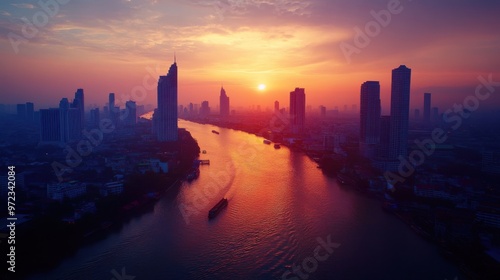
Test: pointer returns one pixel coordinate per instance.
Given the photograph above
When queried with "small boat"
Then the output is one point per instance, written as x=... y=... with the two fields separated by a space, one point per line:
x=277 y=146
x=204 y=151
x=214 y=131
x=267 y=142
x=346 y=179
x=217 y=208
x=195 y=173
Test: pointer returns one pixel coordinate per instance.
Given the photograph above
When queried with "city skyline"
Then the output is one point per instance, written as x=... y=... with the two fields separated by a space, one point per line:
x=175 y=139
x=306 y=30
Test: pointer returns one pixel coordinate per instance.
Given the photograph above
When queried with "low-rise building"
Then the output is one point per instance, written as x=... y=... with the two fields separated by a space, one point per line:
x=67 y=190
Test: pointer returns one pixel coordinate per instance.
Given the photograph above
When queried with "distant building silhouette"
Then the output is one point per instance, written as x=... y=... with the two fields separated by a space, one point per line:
x=385 y=138
x=369 y=118
x=21 y=111
x=204 y=109
x=297 y=110
x=276 y=106
x=25 y=111
x=95 y=117
x=70 y=122
x=79 y=103
x=191 y=109
x=224 y=103
x=322 y=111
x=416 y=114
x=50 y=124
x=131 y=113
x=30 y=111
x=112 y=110
x=167 y=106
x=400 y=107
x=435 y=114
x=427 y=108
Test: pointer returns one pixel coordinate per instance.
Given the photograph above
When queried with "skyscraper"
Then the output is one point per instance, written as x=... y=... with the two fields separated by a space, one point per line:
x=131 y=115
x=30 y=111
x=369 y=118
x=167 y=106
x=204 y=109
x=435 y=114
x=427 y=108
x=385 y=137
x=276 y=106
x=63 y=120
x=297 y=110
x=79 y=103
x=224 y=103
x=400 y=109
x=322 y=111
x=111 y=107
x=21 y=111
x=94 y=117
x=70 y=121
x=50 y=124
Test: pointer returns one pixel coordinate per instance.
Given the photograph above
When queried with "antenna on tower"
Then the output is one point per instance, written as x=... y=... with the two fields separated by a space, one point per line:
x=175 y=58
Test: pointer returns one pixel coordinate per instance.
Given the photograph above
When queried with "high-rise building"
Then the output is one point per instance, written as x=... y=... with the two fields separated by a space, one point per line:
x=131 y=113
x=111 y=107
x=224 y=103
x=276 y=106
x=21 y=111
x=50 y=124
x=191 y=109
x=400 y=109
x=385 y=137
x=427 y=108
x=63 y=120
x=95 y=117
x=79 y=103
x=70 y=121
x=30 y=111
x=435 y=114
x=322 y=111
x=167 y=106
x=369 y=118
x=297 y=110
x=204 y=109
x=416 y=114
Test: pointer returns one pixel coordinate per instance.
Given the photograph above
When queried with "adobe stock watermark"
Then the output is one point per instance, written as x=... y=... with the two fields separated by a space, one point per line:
x=91 y=139
x=222 y=179
x=363 y=37
x=31 y=28
x=122 y=276
x=454 y=117
x=310 y=264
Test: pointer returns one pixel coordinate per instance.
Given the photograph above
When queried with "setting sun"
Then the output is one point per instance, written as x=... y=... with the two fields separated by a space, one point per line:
x=261 y=87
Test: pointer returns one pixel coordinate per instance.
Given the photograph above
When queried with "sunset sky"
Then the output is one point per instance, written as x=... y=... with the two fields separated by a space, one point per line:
x=107 y=46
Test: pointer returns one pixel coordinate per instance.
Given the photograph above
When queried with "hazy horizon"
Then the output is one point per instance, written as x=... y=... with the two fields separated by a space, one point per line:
x=113 y=46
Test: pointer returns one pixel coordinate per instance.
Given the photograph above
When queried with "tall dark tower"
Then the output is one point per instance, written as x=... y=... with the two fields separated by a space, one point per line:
x=167 y=106
x=111 y=109
x=79 y=103
x=297 y=110
x=400 y=110
x=369 y=135
x=427 y=108
x=224 y=103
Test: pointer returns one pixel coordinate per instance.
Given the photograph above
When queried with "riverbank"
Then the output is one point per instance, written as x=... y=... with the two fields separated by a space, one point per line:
x=471 y=264
x=49 y=238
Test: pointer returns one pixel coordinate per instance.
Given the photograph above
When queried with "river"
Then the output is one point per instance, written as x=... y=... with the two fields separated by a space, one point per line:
x=283 y=215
